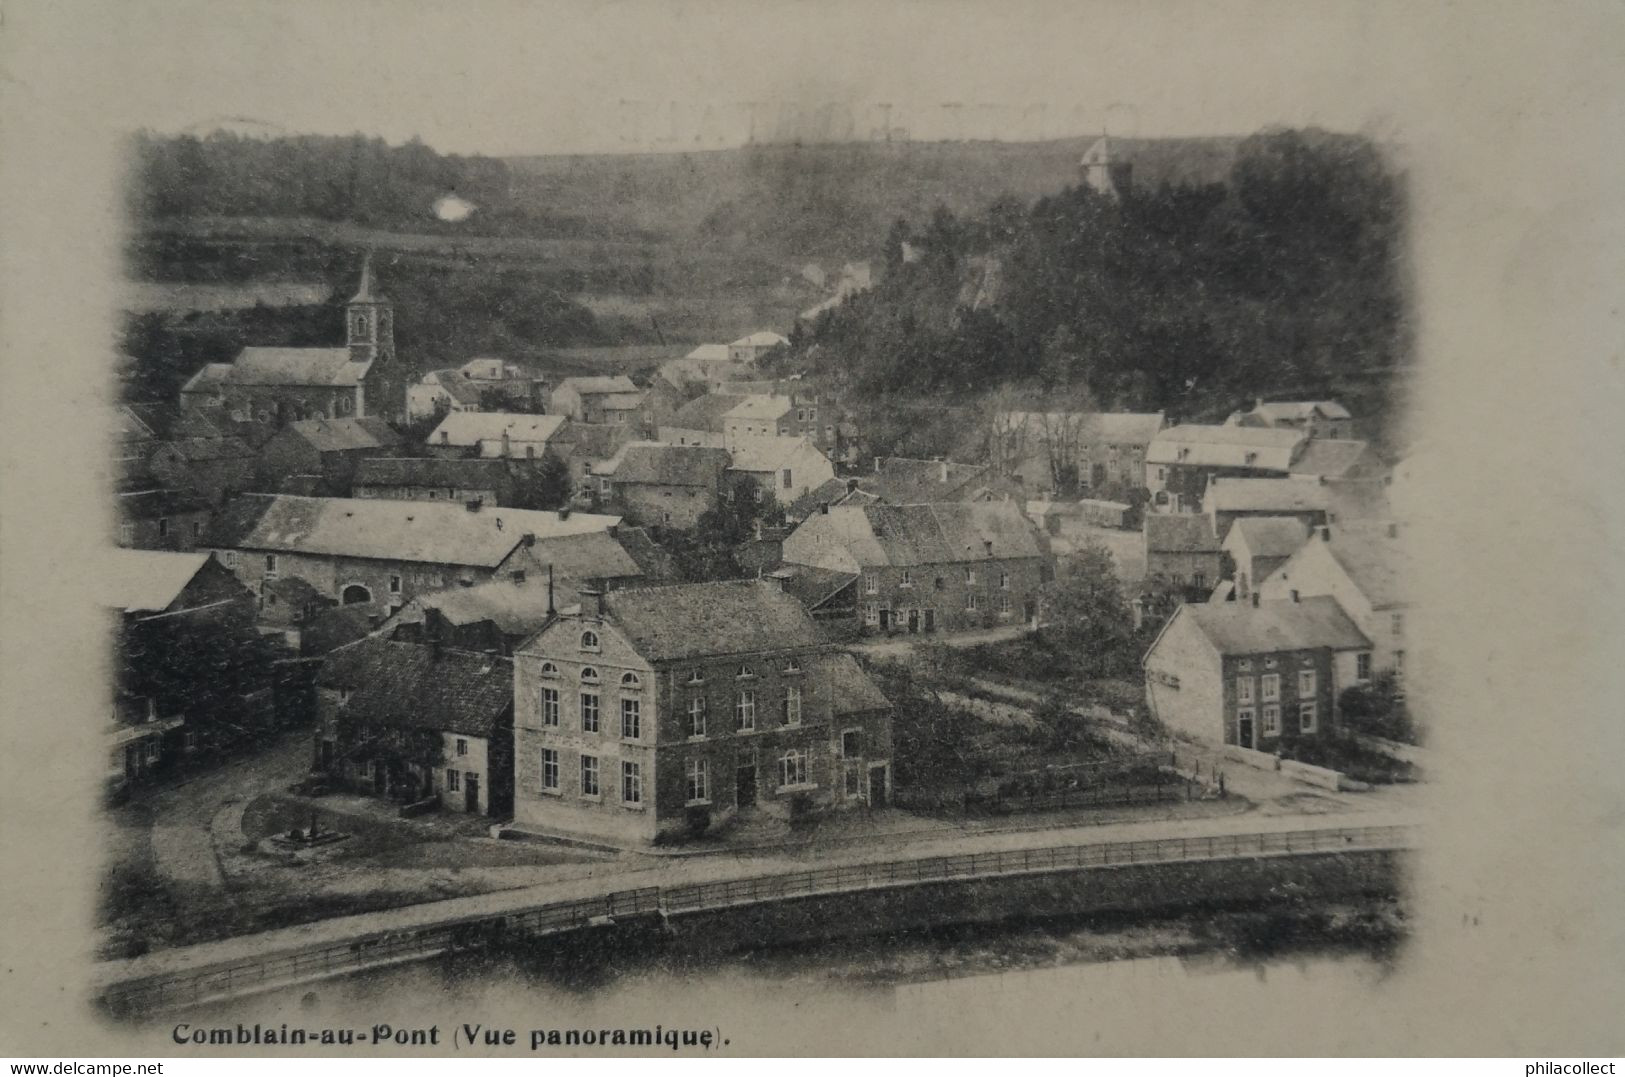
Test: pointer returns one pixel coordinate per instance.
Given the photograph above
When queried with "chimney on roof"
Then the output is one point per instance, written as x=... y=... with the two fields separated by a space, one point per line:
x=1255 y=600
x=1325 y=533
x=507 y=446
x=592 y=600
x=943 y=474
x=551 y=612
x=851 y=486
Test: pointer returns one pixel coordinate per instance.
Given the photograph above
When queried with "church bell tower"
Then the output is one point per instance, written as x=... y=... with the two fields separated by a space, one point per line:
x=370 y=322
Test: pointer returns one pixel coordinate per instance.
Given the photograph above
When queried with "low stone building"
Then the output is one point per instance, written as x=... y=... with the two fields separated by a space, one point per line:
x=420 y=478
x=1258 y=546
x=496 y=435
x=1181 y=460
x=654 y=484
x=331 y=448
x=653 y=712
x=784 y=469
x=1182 y=549
x=1366 y=567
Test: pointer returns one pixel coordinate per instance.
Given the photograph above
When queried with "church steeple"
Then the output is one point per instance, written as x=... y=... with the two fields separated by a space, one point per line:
x=370 y=321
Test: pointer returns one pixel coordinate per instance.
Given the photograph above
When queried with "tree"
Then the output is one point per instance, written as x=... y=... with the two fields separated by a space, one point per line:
x=1377 y=708
x=552 y=487
x=1086 y=616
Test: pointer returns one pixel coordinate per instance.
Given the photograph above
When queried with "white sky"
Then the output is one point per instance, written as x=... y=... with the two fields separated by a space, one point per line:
x=504 y=77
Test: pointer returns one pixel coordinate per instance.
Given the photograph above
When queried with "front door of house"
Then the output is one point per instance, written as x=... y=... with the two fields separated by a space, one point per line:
x=1097 y=475
x=930 y=620
x=1244 y=732
x=913 y=620
x=877 y=786
x=471 y=792
x=745 y=785
x=885 y=619
x=380 y=777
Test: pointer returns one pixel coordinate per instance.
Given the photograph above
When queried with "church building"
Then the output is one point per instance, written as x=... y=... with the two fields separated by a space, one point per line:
x=286 y=385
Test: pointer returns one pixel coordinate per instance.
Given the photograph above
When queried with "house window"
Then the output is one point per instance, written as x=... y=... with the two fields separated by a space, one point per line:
x=550 y=706
x=970 y=601
x=1004 y=604
x=1396 y=621
x=462 y=746
x=454 y=781
x=1245 y=664
x=126 y=533
x=1399 y=665
x=589 y=775
x=745 y=711
x=793 y=768
x=631 y=783
x=1004 y=581
x=871 y=614
x=1362 y=666
x=231 y=559
x=550 y=768
x=792 y=666
x=746 y=672
x=696 y=677
x=871 y=584
x=394 y=585
x=270 y=566
x=1306 y=717
x=787 y=482
x=344 y=698
x=792 y=705
x=1306 y=683
x=908 y=579
x=696 y=716
x=549 y=669
x=851 y=743
x=630 y=682
x=589 y=675
x=1244 y=689
x=699 y=781
x=589 y=712
x=854 y=780
x=631 y=719
x=1271 y=688
x=1272 y=720
x=163 y=527
x=970 y=575
x=1198 y=579
x=197 y=530
x=589 y=641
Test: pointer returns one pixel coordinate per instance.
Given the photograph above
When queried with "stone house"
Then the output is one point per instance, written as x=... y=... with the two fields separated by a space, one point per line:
x=1230 y=499
x=377 y=552
x=749 y=349
x=149 y=515
x=1366 y=567
x=420 y=478
x=759 y=416
x=1181 y=460
x=1182 y=549
x=414 y=720
x=589 y=447
x=1315 y=418
x=441 y=391
x=331 y=448
x=1257 y=675
x=1259 y=545
x=783 y=468
x=500 y=383
x=701 y=421
x=215 y=468
x=930 y=568
x=652 y=712
x=1100 y=448
x=604 y=399
x=498 y=435
x=653 y=484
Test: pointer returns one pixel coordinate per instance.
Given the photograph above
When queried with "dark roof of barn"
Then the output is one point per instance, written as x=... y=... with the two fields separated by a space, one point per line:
x=341 y=435
x=1180 y=532
x=430 y=471
x=813 y=587
x=414 y=686
x=1281 y=625
x=705 y=412
x=656 y=464
x=694 y=620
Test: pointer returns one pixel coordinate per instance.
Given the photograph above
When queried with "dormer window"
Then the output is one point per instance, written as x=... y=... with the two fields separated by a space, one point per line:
x=589 y=641
x=746 y=672
x=589 y=675
x=549 y=669
x=695 y=677
x=630 y=681
x=792 y=666
x=344 y=696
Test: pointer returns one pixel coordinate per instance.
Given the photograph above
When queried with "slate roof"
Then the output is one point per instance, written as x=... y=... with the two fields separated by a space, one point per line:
x=851 y=690
x=652 y=560
x=1270 y=536
x=762 y=406
x=829 y=492
x=1225 y=446
x=1267 y=495
x=709 y=353
x=411 y=686
x=762 y=339
x=768 y=453
x=293 y=590
x=209 y=377
x=905 y=535
x=345 y=435
x=1299 y=410
x=1334 y=458
x=147 y=581
x=1283 y=625
x=657 y=464
x=600 y=384
x=430 y=532
x=1180 y=532
x=622 y=401
x=472 y=427
x=457 y=385
x=477 y=474
x=598 y=441
x=813 y=587
x=327 y=629
x=695 y=620
x=146 y=500
x=164 y=421
x=1377 y=561
x=594 y=555
x=328 y=367
x=705 y=412
x=902 y=481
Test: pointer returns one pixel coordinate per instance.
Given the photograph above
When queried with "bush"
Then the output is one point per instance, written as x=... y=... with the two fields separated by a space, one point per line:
x=696 y=821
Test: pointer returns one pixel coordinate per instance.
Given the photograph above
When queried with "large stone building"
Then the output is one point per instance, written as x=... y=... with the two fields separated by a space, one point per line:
x=1366 y=568
x=1181 y=460
x=928 y=568
x=283 y=385
x=377 y=552
x=1088 y=450
x=784 y=469
x=656 y=711
x=666 y=485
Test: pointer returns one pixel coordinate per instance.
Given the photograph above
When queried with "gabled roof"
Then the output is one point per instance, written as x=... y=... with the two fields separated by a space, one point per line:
x=829 y=492
x=759 y=454
x=813 y=587
x=1269 y=536
x=431 y=532
x=595 y=555
x=345 y=435
x=457 y=385
x=1299 y=410
x=147 y=581
x=762 y=339
x=1265 y=495
x=705 y=412
x=414 y=686
x=709 y=353
x=622 y=401
x=208 y=378
x=906 y=535
x=1335 y=458
x=599 y=384
x=165 y=421
x=697 y=620
x=658 y=464
x=472 y=473
x=652 y=560
x=1180 y=532
x=598 y=441
x=1236 y=628
x=1376 y=559
x=851 y=690
x=1225 y=446
x=762 y=406
x=902 y=481
x=467 y=428
x=325 y=367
